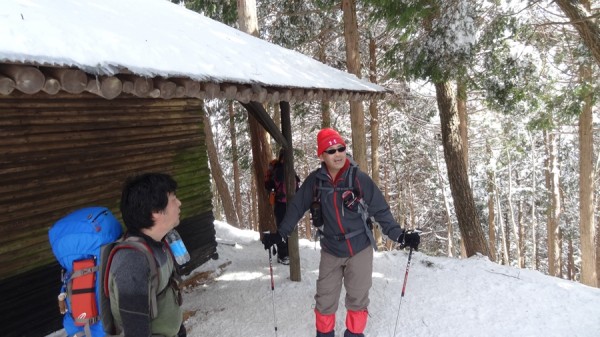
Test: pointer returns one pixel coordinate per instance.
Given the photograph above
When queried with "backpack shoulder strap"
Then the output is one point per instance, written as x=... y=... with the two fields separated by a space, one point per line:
x=350 y=177
x=137 y=243
x=317 y=187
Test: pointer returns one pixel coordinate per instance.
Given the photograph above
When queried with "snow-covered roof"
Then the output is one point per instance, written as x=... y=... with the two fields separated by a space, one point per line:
x=156 y=38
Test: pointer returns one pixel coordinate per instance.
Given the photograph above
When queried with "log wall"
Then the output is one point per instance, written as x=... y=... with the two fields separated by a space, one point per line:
x=61 y=152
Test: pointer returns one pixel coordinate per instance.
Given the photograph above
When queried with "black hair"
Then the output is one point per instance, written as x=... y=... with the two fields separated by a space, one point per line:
x=143 y=195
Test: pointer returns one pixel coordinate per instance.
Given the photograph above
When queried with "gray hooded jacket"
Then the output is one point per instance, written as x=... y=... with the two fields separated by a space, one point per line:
x=339 y=220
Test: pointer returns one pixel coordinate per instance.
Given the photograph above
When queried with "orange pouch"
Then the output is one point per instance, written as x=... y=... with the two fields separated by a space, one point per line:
x=272 y=198
x=83 y=293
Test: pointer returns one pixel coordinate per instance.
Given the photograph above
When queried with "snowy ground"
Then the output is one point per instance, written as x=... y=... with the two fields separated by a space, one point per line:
x=444 y=297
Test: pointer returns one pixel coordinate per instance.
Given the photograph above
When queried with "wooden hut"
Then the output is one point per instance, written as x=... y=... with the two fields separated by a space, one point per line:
x=92 y=92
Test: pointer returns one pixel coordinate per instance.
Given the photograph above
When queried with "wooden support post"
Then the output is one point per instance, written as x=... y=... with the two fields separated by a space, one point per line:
x=290 y=184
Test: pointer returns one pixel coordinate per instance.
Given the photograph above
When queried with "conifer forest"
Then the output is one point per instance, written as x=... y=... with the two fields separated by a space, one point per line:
x=488 y=140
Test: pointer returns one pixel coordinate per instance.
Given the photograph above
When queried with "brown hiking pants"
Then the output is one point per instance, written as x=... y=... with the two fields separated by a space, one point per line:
x=356 y=274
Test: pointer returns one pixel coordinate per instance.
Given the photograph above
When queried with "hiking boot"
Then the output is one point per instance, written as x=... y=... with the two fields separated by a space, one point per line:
x=283 y=260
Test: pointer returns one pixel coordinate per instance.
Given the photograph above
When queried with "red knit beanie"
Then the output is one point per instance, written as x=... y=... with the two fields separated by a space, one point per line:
x=328 y=137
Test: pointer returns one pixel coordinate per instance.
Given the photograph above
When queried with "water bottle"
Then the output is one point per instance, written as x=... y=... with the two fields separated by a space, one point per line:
x=177 y=247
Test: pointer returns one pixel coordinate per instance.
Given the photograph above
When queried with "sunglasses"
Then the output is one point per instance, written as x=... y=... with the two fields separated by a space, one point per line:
x=333 y=151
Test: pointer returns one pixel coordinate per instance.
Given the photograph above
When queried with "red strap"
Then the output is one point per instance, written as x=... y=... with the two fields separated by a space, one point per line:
x=124 y=245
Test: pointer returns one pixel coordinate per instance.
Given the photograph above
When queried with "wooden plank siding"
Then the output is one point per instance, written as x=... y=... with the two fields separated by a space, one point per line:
x=62 y=152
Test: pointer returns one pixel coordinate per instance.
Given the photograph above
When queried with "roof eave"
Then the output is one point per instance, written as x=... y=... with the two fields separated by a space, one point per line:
x=30 y=79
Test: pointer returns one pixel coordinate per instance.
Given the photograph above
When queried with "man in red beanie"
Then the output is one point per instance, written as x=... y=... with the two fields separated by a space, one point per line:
x=341 y=198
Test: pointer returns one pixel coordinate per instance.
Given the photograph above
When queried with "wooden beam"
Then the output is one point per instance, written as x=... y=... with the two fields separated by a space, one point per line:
x=191 y=87
x=166 y=88
x=245 y=95
x=7 y=85
x=108 y=87
x=127 y=87
x=136 y=85
x=51 y=86
x=260 y=93
x=257 y=110
x=212 y=90
x=73 y=81
x=28 y=80
x=230 y=91
x=179 y=91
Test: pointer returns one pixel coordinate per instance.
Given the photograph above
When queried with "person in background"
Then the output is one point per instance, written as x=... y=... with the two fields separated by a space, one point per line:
x=275 y=185
x=150 y=209
x=346 y=239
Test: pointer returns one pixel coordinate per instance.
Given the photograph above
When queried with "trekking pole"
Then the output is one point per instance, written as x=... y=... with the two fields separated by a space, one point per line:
x=403 y=288
x=272 y=289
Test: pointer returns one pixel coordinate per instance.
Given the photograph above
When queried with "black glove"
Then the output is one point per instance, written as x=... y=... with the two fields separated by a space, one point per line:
x=270 y=239
x=410 y=239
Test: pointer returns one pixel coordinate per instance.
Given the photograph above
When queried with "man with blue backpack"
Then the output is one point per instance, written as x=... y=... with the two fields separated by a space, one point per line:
x=150 y=210
x=341 y=198
x=126 y=286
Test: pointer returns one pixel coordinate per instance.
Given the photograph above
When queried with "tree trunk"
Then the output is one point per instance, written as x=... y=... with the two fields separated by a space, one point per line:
x=504 y=239
x=217 y=209
x=534 y=239
x=581 y=18
x=373 y=110
x=261 y=151
x=247 y=20
x=491 y=188
x=277 y=121
x=325 y=105
x=554 y=267
x=461 y=105
x=511 y=210
x=235 y=162
x=598 y=239
x=571 y=261
x=521 y=229
x=464 y=205
x=217 y=174
x=357 y=114
x=252 y=201
x=450 y=228
x=586 y=187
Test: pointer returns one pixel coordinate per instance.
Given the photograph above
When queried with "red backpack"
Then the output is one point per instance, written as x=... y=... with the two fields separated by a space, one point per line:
x=270 y=184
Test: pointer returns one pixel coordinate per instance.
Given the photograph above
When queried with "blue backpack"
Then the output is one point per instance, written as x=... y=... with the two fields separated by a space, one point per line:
x=83 y=243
